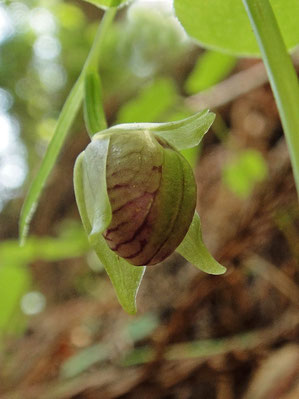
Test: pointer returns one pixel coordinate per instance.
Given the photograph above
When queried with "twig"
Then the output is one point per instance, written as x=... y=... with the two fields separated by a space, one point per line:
x=107 y=380
x=231 y=88
x=274 y=276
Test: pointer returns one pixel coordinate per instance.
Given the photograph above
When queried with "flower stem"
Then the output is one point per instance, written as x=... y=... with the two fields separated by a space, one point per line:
x=282 y=74
x=93 y=56
x=65 y=120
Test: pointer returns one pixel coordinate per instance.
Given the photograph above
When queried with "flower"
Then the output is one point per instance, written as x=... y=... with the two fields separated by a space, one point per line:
x=152 y=193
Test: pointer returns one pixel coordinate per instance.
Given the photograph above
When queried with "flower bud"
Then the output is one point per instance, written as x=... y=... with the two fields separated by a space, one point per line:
x=152 y=193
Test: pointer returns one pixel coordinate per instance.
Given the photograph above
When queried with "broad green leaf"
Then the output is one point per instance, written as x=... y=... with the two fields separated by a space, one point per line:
x=108 y=3
x=182 y=134
x=124 y=277
x=151 y=102
x=244 y=172
x=224 y=25
x=211 y=68
x=94 y=115
x=194 y=250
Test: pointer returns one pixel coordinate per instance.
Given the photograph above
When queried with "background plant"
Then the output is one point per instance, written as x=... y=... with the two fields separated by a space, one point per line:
x=253 y=231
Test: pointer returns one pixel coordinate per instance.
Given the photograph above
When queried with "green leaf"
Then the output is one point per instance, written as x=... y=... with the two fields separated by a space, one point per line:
x=244 y=172
x=14 y=282
x=224 y=25
x=64 y=122
x=108 y=3
x=84 y=359
x=191 y=155
x=94 y=115
x=182 y=134
x=211 y=68
x=281 y=72
x=194 y=250
x=124 y=277
x=46 y=248
x=142 y=326
x=151 y=102
x=95 y=188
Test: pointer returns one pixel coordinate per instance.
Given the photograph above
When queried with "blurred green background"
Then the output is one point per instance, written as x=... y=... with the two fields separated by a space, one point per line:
x=55 y=285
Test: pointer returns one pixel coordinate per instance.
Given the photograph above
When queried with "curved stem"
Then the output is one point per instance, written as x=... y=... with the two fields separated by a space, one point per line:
x=65 y=120
x=282 y=75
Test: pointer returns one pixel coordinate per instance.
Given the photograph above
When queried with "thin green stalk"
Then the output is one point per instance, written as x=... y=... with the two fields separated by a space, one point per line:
x=93 y=56
x=282 y=75
x=65 y=120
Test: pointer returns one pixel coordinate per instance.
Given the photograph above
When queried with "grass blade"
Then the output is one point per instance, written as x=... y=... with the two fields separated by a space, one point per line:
x=65 y=120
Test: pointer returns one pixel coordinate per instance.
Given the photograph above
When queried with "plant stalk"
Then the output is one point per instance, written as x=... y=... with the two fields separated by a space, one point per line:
x=281 y=72
x=65 y=120
x=94 y=54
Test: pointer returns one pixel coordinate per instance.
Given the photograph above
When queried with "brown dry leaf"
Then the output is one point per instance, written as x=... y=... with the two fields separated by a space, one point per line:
x=278 y=376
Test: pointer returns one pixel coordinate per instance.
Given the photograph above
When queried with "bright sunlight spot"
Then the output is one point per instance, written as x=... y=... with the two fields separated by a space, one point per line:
x=13 y=167
x=33 y=302
x=6 y=26
x=52 y=76
x=42 y=21
x=7 y=132
x=164 y=4
x=13 y=172
x=6 y=100
x=19 y=14
x=47 y=47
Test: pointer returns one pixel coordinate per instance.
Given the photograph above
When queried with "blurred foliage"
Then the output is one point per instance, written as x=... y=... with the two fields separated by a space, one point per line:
x=14 y=282
x=150 y=104
x=242 y=173
x=211 y=68
x=83 y=360
x=15 y=276
x=42 y=48
x=60 y=323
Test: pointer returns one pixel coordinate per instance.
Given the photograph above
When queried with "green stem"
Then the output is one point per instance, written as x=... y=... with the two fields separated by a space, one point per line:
x=93 y=56
x=282 y=75
x=65 y=120
x=94 y=115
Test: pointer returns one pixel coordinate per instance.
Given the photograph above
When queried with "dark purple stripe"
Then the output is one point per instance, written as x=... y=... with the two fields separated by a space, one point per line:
x=138 y=231
x=142 y=245
x=116 y=186
x=131 y=202
x=108 y=231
